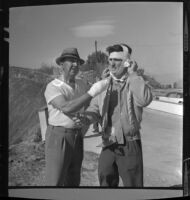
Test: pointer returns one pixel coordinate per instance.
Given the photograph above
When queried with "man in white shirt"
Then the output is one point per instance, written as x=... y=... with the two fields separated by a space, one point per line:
x=65 y=96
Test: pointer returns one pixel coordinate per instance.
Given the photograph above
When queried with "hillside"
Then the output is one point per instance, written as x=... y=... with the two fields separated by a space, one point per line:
x=26 y=89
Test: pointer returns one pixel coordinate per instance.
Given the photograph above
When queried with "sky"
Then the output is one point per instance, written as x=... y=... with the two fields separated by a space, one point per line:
x=154 y=30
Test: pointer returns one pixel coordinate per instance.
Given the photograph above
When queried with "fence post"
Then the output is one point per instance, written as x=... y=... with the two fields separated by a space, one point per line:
x=186 y=178
x=43 y=117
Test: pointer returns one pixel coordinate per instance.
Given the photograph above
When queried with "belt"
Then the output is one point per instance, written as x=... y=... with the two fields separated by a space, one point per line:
x=127 y=137
x=67 y=130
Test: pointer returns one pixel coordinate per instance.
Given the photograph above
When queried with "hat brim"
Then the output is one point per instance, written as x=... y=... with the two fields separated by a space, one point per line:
x=61 y=58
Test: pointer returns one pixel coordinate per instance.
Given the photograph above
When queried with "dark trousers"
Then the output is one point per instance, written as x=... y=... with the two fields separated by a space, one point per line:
x=121 y=160
x=63 y=155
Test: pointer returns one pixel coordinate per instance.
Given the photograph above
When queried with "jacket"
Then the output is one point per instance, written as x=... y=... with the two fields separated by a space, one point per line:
x=137 y=94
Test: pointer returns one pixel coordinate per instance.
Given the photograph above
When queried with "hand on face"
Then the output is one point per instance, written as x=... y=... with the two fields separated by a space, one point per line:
x=132 y=67
x=105 y=73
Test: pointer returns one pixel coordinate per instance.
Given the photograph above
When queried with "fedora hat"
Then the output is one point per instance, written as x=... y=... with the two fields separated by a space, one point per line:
x=69 y=53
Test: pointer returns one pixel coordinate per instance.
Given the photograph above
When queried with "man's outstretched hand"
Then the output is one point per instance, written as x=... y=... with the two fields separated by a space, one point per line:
x=132 y=67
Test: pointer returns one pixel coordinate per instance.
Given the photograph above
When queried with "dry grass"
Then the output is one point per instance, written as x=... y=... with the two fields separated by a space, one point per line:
x=27 y=165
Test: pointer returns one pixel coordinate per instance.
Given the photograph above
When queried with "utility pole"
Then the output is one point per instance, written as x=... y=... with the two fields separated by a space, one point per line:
x=96 y=57
x=96 y=51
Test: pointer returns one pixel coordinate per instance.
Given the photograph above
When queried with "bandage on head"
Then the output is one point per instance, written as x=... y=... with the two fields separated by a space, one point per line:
x=126 y=51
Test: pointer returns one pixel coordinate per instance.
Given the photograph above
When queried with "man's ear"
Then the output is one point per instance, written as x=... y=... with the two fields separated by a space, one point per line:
x=61 y=68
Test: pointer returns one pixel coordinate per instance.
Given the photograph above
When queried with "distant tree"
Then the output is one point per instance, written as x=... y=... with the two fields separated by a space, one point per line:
x=166 y=86
x=96 y=62
x=89 y=76
x=162 y=86
x=175 y=85
x=155 y=84
x=178 y=84
x=169 y=86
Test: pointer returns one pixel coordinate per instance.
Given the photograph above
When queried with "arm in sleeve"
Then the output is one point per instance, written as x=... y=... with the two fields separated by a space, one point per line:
x=59 y=100
x=92 y=112
x=51 y=92
x=141 y=91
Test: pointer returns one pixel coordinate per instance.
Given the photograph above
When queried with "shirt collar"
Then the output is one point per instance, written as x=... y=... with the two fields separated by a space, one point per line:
x=58 y=82
x=121 y=80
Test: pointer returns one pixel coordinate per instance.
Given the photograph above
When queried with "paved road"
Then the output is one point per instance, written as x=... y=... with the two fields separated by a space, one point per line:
x=162 y=148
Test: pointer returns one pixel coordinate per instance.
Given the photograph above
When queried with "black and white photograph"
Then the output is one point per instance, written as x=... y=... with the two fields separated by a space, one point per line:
x=96 y=96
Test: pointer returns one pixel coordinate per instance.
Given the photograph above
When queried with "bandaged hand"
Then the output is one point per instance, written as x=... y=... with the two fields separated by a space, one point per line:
x=98 y=87
x=133 y=67
x=127 y=63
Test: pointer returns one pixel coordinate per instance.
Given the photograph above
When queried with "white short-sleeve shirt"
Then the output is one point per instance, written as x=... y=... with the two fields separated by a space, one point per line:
x=56 y=88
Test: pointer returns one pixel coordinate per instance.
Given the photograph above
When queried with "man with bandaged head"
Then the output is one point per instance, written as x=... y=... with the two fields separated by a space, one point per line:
x=119 y=110
x=65 y=96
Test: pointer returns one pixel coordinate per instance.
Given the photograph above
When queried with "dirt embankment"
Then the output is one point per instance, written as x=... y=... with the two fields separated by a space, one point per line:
x=27 y=165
